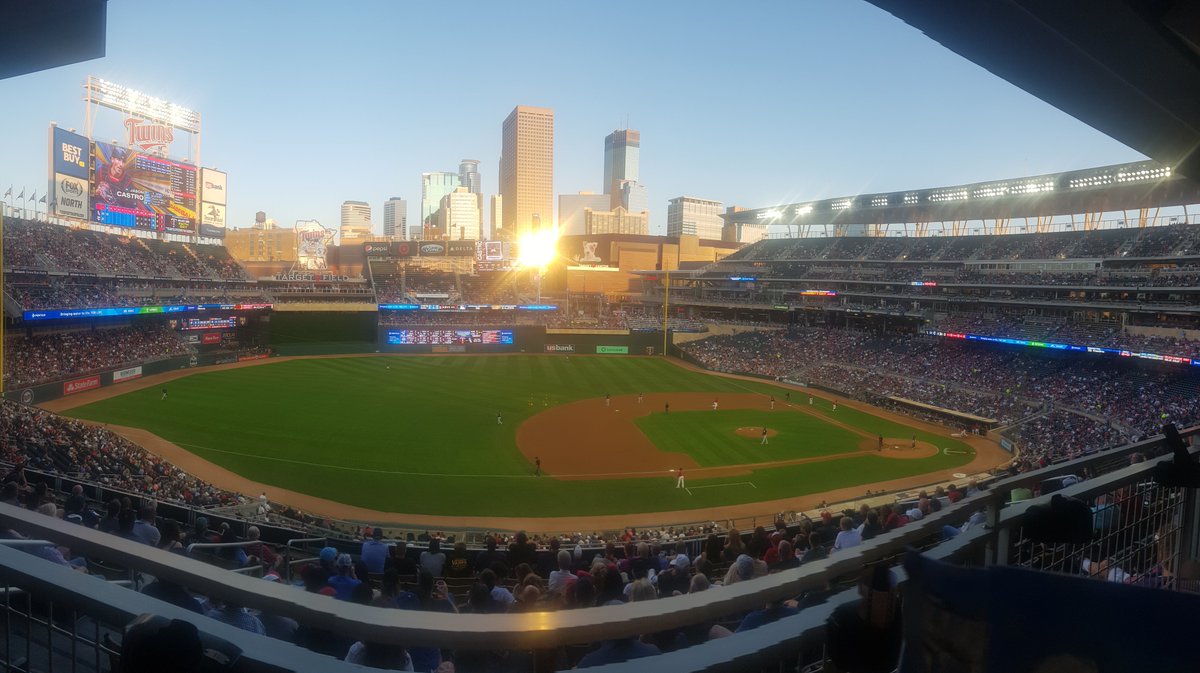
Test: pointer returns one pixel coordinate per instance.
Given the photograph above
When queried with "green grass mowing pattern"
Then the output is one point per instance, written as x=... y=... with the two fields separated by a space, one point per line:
x=711 y=439
x=419 y=434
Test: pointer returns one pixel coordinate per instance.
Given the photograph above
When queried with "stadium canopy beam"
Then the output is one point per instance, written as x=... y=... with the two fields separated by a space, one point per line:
x=1129 y=69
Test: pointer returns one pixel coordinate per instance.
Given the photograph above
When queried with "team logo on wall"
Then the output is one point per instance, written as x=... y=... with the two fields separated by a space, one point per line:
x=151 y=137
x=589 y=252
x=27 y=396
x=312 y=243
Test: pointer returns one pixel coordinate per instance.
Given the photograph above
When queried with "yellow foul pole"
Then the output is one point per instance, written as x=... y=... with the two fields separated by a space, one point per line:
x=666 y=297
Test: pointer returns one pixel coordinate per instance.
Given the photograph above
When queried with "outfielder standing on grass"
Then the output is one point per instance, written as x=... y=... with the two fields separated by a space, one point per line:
x=164 y=392
x=499 y=418
x=679 y=479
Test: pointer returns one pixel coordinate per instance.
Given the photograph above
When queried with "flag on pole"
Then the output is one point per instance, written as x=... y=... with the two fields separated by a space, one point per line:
x=22 y=196
x=44 y=197
x=33 y=197
x=9 y=192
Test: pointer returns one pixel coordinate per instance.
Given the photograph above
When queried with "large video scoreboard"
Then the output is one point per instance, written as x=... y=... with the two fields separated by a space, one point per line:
x=446 y=337
x=138 y=191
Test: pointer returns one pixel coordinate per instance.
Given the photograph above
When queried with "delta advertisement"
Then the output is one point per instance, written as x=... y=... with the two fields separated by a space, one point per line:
x=69 y=167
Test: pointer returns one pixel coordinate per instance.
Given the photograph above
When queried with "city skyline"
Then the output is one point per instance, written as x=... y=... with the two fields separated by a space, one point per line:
x=289 y=152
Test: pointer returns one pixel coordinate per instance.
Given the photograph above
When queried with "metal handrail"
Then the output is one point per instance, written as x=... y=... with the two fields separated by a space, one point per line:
x=539 y=630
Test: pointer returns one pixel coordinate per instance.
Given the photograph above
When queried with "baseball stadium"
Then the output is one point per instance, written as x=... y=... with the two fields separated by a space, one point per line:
x=271 y=448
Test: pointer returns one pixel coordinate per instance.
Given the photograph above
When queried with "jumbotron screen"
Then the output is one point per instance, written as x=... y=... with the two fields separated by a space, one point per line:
x=439 y=337
x=139 y=191
x=210 y=323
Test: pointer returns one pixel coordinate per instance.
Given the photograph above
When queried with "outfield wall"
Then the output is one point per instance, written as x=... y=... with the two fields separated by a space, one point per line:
x=320 y=332
x=102 y=379
x=527 y=339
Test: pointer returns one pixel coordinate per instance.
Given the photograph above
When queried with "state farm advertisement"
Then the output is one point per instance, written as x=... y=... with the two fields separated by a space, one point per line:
x=80 y=385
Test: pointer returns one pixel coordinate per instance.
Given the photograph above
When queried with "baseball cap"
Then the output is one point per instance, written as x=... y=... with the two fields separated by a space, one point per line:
x=377 y=533
x=271 y=577
x=343 y=561
x=914 y=514
x=680 y=561
x=328 y=554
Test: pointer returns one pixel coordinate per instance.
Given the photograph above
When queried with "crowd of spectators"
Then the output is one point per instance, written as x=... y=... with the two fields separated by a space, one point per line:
x=42 y=358
x=41 y=292
x=49 y=247
x=50 y=443
x=1004 y=383
x=1173 y=239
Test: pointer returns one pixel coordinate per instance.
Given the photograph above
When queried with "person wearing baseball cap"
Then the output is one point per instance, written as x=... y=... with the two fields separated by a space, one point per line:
x=343 y=580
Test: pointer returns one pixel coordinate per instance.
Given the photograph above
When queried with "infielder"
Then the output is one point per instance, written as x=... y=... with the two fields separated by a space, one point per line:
x=764 y=436
x=679 y=479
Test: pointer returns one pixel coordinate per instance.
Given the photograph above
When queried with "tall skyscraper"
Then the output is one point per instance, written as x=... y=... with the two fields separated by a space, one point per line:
x=356 y=220
x=497 y=216
x=622 y=171
x=395 y=218
x=697 y=217
x=433 y=187
x=468 y=175
x=622 y=153
x=527 y=170
x=630 y=195
x=571 y=207
x=457 y=218
x=615 y=221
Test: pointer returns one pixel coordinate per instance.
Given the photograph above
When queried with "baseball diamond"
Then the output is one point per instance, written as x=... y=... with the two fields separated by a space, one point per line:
x=417 y=436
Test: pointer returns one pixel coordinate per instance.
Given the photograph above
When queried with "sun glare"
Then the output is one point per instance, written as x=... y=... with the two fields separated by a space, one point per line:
x=537 y=249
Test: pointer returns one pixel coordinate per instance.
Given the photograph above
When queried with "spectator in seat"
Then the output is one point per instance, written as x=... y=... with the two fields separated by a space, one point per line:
x=489 y=556
x=522 y=551
x=675 y=579
x=433 y=559
x=263 y=552
x=170 y=537
x=772 y=613
x=953 y=494
x=111 y=521
x=374 y=552
x=499 y=594
x=848 y=536
x=344 y=581
x=144 y=528
x=787 y=559
x=562 y=578
x=235 y=615
x=733 y=546
x=623 y=649
x=458 y=563
x=871 y=527
x=398 y=559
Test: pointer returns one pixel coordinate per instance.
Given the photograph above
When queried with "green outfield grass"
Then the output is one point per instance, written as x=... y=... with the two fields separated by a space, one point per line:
x=419 y=434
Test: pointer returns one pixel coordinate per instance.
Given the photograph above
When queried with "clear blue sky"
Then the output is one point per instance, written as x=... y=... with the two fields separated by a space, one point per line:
x=307 y=104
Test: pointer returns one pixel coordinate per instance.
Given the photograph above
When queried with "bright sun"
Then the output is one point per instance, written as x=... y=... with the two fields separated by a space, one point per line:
x=537 y=249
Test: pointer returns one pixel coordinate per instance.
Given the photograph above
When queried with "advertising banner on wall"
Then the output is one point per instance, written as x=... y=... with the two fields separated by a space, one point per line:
x=80 y=385
x=69 y=171
x=212 y=186
x=377 y=249
x=612 y=350
x=127 y=374
x=70 y=196
x=212 y=220
x=460 y=248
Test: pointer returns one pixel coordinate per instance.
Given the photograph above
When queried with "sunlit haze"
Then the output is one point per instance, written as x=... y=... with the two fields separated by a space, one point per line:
x=307 y=105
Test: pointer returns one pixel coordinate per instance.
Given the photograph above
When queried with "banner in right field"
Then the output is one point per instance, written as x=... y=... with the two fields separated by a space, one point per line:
x=612 y=350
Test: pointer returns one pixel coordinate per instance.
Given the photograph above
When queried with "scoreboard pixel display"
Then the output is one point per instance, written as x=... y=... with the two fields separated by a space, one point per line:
x=138 y=191
x=440 y=337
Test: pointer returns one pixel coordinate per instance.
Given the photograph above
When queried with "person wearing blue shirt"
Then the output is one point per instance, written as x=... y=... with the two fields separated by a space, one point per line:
x=374 y=552
x=343 y=582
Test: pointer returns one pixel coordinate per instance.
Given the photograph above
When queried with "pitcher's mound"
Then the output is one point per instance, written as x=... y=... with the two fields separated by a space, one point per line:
x=899 y=448
x=754 y=432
